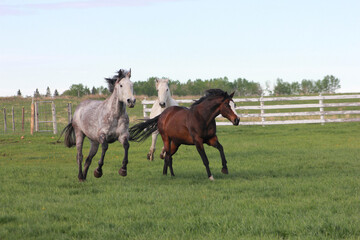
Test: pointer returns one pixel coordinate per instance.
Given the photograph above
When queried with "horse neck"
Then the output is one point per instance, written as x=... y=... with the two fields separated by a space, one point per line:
x=169 y=100
x=208 y=109
x=114 y=106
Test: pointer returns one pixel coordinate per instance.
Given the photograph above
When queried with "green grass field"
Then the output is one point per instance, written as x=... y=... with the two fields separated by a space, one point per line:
x=284 y=182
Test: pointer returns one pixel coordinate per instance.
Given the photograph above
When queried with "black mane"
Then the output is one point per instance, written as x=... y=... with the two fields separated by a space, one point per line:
x=111 y=81
x=210 y=94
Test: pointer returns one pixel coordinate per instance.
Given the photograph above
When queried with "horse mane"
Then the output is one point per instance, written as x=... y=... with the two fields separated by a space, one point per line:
x=211 y=93
x=111 y=81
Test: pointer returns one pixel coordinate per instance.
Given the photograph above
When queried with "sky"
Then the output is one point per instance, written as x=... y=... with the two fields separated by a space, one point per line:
x=57 y=43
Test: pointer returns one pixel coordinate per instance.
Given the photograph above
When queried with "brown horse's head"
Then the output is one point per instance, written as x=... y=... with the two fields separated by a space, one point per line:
x=227 y=109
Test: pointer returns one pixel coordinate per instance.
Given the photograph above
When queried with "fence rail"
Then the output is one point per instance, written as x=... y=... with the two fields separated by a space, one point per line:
x=267 y=104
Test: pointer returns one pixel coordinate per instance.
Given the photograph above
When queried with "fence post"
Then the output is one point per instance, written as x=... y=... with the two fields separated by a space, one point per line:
x=5 y=123
x=32 y=117
x=321 y=103
x=54 y=117
x=36 y=116
x=13 y=119
x=262 y=111
x=69 y=112
x=23 y=119
x=144 y=107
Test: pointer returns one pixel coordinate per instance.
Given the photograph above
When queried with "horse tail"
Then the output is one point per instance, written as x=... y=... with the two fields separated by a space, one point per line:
x=70 y=139
x=143 y=130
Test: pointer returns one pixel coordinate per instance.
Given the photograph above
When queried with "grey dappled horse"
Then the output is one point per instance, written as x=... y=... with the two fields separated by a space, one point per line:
x=103 y=122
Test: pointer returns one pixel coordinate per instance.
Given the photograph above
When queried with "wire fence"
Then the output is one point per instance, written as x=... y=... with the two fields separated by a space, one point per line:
x=16 y=115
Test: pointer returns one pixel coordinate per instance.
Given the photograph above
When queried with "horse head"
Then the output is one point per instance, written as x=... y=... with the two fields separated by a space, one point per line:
x=123 y=88
x=162 y=87
x=227 y=109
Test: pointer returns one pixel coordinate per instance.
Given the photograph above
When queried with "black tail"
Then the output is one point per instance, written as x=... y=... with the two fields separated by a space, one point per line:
x=70 y=139
x=143 y=130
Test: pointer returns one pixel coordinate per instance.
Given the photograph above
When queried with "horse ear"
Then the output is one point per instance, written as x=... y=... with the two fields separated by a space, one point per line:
x=129 y=73
x=231 y=95
x=167 y=80
x=156 y=83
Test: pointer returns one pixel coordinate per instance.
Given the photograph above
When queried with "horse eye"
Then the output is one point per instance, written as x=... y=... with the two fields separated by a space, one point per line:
x=120 y=85
x=167 y=89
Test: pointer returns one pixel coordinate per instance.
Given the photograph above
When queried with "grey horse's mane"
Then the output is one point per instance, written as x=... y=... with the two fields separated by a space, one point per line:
x=111 y=81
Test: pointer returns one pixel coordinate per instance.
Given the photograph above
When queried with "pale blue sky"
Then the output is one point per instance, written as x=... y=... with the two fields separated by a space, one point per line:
x=57 y=43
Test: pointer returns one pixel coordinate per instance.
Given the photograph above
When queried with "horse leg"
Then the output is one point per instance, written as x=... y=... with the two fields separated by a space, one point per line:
x=79 y=156
x=165 y=167
x=200 y=148
x=163 y=153
x=93 y=150
x=150 y=155
x=123 y=169
x=104 y=147
x=167 y=146
x=215 y=143
x=173 y=150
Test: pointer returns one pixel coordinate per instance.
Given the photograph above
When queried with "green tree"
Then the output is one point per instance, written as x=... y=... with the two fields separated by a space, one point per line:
x=56 y=93
x=318 y=86
x=19 y=93
x=78 y=90
x=282 y=88
x=48 y=93
x=295 y=88
x=94 y=91
x=307 y=86
x=103 y=90
x=244 y=87
x=197 y=87
x=37 y=93
x=330 y=84
x=175 y=87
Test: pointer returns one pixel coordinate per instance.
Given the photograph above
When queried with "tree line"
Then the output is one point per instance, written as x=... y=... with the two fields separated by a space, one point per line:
x=329 y=84
x=241 y=86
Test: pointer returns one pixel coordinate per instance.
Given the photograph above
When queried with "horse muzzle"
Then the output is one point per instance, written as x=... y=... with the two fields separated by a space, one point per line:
x=162 y=104
x=131 y=102
x=236 y=121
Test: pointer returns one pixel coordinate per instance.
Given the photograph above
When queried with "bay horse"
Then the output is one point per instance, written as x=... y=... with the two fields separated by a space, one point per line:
x=102 y=122
x=163 y=101
x=191 y=126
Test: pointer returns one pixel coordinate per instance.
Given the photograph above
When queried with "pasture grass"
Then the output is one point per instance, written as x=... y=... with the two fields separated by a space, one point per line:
x=284 y=182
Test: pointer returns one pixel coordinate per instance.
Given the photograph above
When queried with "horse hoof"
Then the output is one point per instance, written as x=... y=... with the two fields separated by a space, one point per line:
x=82 y=179
x=98 y=173
x=122 y=172
x=162 y=156
x=225 y=171
x=211 y=178
x=150 y=157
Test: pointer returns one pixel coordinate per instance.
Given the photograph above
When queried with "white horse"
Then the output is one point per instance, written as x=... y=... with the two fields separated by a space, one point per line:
x=164 y=101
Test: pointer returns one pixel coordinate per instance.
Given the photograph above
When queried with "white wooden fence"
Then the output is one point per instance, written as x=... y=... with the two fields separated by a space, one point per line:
x=266 y=110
